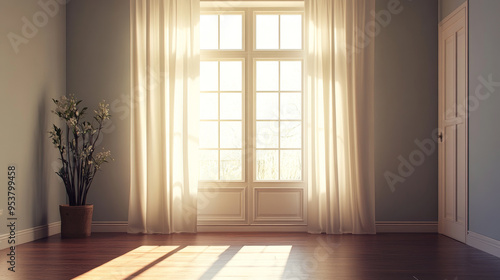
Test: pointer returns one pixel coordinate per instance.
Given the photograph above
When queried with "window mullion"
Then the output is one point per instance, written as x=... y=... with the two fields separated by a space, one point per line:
x=279 y=32
x=249 y=97
x=218 y=32
x=279 y=117
x=218 y=113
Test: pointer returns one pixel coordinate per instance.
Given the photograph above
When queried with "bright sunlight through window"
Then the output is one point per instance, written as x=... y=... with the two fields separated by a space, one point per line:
x=251 y=96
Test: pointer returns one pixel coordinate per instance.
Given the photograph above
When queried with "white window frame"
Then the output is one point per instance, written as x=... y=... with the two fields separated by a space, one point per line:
x=249 y=55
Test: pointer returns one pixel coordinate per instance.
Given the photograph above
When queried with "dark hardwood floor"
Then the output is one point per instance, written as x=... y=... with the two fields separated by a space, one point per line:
x=251 y=256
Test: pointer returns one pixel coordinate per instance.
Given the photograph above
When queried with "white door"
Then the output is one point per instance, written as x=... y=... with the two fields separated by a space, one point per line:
x=453 y=125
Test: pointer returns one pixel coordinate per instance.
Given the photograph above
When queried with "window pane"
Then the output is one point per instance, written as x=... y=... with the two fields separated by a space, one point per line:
x=230 y=165
x=267 y=134
x=208 y=165
x=267 y=105
x=291 y=134
x=291 y=75
x=267 y=75
x=208 y=32
x=209 y=75
x=230 y=106
x=230 y=134
x=209 y=134
x=231 y=32
x=291 y=32
x=230 y=75
x=209 y=107
x=291 y=105
x=267 y=164
x=291 y=165
x=267 y=32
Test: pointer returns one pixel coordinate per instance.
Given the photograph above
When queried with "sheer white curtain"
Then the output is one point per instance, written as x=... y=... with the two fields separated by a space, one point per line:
x=339 y=84
x=164 y=129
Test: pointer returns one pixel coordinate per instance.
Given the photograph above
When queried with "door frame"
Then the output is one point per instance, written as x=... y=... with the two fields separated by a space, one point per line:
x=449 y=20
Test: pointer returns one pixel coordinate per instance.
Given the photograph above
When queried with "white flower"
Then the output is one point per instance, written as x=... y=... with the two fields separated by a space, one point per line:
x=103 y=111
x=72 y=122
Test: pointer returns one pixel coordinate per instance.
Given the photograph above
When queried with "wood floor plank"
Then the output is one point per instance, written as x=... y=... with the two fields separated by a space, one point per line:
x=251 y=256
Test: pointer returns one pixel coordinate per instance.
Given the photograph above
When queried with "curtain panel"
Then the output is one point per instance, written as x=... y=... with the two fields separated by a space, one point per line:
x=339 y=84
x=164 y=113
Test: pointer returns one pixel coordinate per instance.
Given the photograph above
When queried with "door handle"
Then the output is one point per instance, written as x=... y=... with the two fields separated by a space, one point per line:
x=440 y=137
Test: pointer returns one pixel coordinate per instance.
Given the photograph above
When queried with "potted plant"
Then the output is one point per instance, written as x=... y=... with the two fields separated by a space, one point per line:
x=76 y=143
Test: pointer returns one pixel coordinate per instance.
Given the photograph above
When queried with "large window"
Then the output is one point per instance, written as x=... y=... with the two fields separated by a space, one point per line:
x=251 y=96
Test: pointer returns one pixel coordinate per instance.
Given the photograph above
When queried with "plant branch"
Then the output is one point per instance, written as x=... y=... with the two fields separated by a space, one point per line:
x=78 y=163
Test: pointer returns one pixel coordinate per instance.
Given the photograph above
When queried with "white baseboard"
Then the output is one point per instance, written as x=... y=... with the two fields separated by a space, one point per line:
x=401 y=227
x=407 y=227
x=483 y=243
x=253 y=228
x=31 y=234
x=104 y=226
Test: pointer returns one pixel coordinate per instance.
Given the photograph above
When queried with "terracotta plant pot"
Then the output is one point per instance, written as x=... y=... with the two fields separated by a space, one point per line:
x=76 y=221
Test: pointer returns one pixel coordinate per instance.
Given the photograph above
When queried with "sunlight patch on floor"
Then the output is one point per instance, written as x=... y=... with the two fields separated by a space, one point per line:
x=195 y=262
x=257 y=262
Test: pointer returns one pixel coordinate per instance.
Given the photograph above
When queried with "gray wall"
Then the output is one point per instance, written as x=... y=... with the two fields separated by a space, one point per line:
x=484 y=128
x=29 y=79
x=406 y=111
x=448 y=6
x=98 y=67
